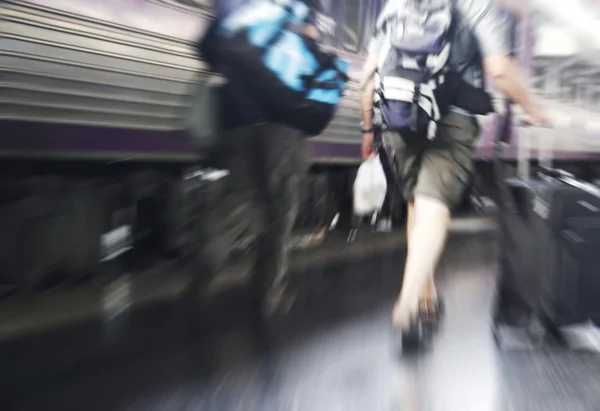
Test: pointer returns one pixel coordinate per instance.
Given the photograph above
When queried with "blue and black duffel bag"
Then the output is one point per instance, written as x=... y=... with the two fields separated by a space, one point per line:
x=290 y=76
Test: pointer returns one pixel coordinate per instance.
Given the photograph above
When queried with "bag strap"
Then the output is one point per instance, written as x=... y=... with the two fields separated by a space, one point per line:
x=310 y=80
x=390 y=175
x=389 y=13
x=287 y=25
x=276 y=37
x=326 y=61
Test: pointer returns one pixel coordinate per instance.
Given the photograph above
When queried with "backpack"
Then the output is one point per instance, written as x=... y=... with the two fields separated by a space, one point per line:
x=289 y=75
x=411 y=91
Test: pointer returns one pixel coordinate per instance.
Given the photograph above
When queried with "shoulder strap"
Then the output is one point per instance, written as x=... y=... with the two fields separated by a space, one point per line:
x=388 y=12
x=455 y=18
x=390 y=175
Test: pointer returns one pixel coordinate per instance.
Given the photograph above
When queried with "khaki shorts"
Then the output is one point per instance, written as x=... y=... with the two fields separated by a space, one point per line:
x=440 y=168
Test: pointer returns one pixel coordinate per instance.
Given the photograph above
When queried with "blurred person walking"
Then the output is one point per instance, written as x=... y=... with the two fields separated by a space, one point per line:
x=268 y=159
x=435 y=163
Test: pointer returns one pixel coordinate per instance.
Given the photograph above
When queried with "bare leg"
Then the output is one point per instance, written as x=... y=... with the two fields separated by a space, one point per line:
x=429 y=293
x=427 y=231
x=441 y=169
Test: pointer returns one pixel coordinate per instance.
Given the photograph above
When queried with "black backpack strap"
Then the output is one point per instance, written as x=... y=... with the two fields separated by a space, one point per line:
x=466 y=96
x=326 y=61
x=391 y=175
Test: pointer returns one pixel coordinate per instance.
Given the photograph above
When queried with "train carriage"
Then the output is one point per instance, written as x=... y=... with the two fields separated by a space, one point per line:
x=95 y=97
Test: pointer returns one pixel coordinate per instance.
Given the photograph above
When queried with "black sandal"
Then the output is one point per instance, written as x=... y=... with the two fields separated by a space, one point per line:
x=431 y=317
x=422 y=326
x=416 y=334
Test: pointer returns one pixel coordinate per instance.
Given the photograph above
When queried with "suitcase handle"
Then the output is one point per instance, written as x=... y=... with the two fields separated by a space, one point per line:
x=545 y=167
x=523 y=123
x=524 y=145
x=555 y=172
x=505 y=198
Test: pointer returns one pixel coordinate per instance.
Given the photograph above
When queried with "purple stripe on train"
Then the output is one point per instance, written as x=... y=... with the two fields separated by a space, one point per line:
x=18 y=135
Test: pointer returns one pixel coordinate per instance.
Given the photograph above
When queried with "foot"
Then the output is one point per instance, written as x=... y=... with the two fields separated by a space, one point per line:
x=512 y=317
x=403 y=313
x=431 y=309
x=510 y=310
x=415 y=332
x=417 y=336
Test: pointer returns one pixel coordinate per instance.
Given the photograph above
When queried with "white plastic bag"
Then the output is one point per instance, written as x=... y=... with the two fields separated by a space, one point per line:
x=370 y=187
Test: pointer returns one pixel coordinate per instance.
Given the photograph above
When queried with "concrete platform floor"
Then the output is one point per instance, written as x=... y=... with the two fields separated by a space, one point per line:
x=334 y=352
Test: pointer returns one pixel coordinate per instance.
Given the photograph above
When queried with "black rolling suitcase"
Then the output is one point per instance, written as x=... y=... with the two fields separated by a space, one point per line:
x=549 y=247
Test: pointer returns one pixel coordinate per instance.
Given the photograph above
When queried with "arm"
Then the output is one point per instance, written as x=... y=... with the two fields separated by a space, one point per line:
x=366 y=104
x=518 y=7
x=367 y=91
x=366 y=97
x=366 y=107
x=507 y=78
x=489 y=23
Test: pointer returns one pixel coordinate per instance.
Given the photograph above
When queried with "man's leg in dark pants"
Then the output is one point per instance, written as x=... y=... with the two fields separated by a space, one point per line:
x=220 y=216
x=234 y=210
x=282 y=160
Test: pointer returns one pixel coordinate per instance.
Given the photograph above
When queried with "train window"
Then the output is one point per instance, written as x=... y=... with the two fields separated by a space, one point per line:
x=352 y=24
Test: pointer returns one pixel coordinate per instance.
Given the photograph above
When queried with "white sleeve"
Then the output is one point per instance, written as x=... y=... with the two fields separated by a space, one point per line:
x=489 y=23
